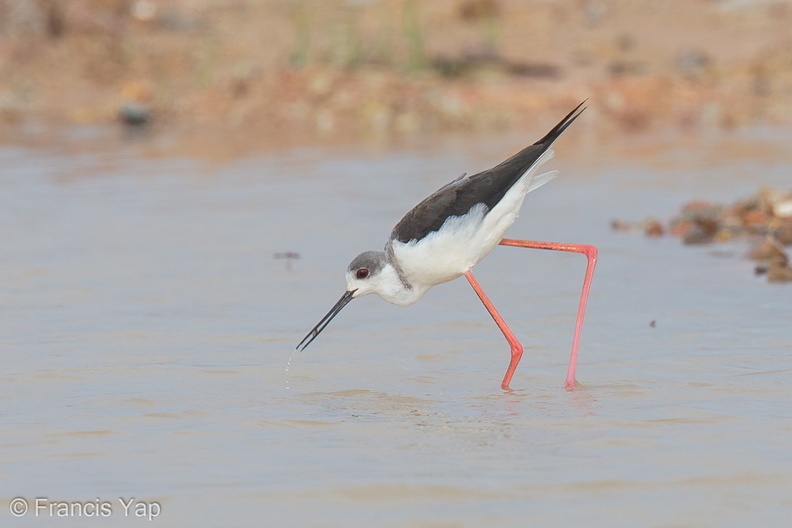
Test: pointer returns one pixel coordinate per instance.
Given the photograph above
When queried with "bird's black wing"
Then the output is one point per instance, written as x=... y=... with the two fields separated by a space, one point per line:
x=487 y=187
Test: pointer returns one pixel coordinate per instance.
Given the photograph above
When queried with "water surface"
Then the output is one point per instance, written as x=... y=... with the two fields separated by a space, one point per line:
x=147 y=341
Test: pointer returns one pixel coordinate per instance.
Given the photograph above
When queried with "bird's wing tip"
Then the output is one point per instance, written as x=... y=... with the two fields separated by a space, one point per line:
x=562 y=125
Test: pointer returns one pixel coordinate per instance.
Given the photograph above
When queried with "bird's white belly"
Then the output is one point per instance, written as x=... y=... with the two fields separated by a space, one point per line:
x=461 y=243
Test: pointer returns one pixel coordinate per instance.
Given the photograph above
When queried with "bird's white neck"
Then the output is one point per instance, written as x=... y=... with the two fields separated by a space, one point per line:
x=392 y=288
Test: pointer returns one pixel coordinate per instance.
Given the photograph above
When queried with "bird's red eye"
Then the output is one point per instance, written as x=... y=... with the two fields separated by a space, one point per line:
x=362 y=273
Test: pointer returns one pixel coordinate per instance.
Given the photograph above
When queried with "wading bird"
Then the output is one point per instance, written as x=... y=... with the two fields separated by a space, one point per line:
x=451 y=231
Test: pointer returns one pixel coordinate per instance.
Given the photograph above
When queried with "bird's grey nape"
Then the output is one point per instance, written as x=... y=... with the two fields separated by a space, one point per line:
x=396 y=265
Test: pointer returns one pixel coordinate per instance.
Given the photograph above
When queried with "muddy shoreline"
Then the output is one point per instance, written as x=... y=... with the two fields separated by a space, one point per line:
x=395 y=66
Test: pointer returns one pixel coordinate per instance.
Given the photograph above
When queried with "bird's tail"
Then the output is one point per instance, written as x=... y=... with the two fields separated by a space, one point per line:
x=537 y=180
x=541 y=179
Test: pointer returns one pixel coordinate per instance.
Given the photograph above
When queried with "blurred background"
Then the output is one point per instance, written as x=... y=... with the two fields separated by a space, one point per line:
x=358 y=66
x=183 y=183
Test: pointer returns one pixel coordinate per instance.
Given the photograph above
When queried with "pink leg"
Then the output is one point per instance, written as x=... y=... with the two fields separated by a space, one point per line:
x=516 y=347
x=591 y=255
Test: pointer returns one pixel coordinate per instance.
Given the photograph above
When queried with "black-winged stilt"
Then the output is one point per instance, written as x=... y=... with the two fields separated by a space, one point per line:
x=451 y=231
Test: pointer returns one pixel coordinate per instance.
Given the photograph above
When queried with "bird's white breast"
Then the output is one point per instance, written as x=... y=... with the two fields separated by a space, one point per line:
x=445 y=254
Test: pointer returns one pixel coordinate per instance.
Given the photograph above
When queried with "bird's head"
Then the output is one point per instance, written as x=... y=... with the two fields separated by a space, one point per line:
x=369 y=272
x=365 y=274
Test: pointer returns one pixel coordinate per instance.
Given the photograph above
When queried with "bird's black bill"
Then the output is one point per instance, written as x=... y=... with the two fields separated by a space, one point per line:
x=343 y=301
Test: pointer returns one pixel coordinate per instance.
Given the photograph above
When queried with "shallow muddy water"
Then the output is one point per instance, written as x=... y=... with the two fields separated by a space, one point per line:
x=147 y=344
